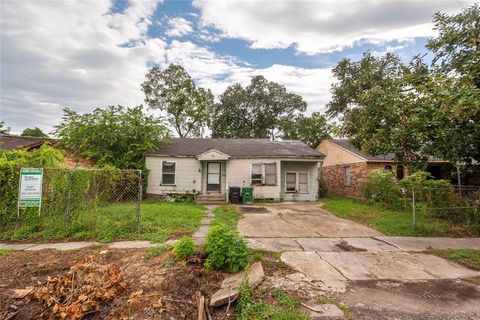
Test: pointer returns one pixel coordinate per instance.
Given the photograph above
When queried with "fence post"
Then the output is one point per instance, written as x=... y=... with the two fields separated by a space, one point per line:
x=413 y=209
x=139 y=198
x=66 y=212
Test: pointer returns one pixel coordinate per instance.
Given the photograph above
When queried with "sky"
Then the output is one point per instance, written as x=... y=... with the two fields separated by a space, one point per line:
x=94 y=53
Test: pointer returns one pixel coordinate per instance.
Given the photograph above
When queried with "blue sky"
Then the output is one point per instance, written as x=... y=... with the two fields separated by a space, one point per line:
x=88 y=54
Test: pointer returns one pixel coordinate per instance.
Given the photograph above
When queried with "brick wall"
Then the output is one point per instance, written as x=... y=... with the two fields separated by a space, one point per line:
x=359 y=172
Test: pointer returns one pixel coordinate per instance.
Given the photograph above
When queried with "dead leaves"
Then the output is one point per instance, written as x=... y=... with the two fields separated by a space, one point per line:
x=84 y=289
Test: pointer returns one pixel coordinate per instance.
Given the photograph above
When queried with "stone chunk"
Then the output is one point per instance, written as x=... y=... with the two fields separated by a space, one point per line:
x=323 y=311
x=229 y=288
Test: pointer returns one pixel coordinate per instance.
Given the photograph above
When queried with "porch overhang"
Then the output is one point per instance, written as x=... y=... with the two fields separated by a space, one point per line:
x=211 y=155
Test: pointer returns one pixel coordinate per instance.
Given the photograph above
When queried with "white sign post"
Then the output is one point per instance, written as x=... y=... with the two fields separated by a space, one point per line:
x=30 y=188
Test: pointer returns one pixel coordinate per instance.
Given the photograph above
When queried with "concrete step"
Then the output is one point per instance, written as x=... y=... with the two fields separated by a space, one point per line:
x=212 y=198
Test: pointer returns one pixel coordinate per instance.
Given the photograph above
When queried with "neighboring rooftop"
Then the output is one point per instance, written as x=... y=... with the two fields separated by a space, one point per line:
x=11 y=142
x=345 y=144
x=239 y=148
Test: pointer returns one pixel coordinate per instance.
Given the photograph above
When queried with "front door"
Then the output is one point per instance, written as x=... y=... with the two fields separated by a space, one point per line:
x=213 y=176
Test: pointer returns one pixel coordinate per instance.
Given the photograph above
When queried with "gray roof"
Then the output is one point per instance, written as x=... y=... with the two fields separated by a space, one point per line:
x=239 y=148
x=11 y=142
x=345 y=143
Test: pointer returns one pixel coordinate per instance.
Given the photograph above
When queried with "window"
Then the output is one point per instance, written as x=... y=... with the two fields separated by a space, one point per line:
x=264 y=174
x=168 y=173
x=296 y=182
x=346 y=176
x=400 y=172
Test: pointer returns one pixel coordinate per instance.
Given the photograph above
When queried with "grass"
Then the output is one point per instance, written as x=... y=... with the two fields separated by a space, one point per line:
x=5 y=253
x=274 y=305
x=392 y=223
x=159 y=220
x=155 y=251
x=467 y=257
x=226 y=214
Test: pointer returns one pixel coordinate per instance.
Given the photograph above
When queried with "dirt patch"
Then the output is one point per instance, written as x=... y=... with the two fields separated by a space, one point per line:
x=345 y=246
x=253 y=210
x=156 y=288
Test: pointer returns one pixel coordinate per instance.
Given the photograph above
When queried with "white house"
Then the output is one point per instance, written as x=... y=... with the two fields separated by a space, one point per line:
x=279 y=170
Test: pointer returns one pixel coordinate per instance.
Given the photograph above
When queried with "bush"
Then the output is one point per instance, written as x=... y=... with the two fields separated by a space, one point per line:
x=381 y=186
x=184 y=248
x=225 y=248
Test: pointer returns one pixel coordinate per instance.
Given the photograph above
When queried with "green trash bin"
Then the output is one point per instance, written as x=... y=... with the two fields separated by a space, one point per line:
x=247 y=195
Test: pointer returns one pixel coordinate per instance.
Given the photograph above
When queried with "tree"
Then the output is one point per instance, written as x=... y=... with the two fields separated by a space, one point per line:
x=115 y=136
x=259 y=110
x=311 y=130
x=188 y=107
x=4 y=130
x=414 y=110
x=35 y=132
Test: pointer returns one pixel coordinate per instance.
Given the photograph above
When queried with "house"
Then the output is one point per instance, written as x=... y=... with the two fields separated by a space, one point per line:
x=12 y=142
x=345 y=168
x=279 y=170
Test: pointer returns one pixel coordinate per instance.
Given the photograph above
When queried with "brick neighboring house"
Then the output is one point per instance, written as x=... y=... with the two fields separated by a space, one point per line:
x=345 y=168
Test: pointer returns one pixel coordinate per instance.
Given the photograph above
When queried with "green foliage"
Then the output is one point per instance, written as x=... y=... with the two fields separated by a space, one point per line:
x=260 y=110
x=35 y=132
x=3 y=129
x=381 y=187
x=115 y=136
x=311 y=130
x=155 y=251
x=172 y=90
x=394 y=223
x=467 y=257
x=5 y=253
x=252 y=307
x=227 y=215
x=226 y=248
x=416 y=110
x=184 y=248
x=422 y=179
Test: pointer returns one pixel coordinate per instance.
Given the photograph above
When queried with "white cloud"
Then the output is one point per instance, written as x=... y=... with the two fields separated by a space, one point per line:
x=179 y=27
x=321 y=26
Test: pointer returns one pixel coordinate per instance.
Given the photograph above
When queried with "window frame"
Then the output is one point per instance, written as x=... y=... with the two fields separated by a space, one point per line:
x=297 y=181
x=347 y=182
x=263 y=179
x=162 y=183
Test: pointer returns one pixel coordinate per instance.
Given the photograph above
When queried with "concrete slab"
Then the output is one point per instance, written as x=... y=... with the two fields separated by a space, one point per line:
x=199 y=241
x=299 y=221
x=421 y=244
x=369 y=244
x=274 y=244
x=320 y=244
x=202 y=231
x=62 y=246
x=206 y=221
x=316 y=269
x=132 y=244
x=15 y=246
x=395 y=266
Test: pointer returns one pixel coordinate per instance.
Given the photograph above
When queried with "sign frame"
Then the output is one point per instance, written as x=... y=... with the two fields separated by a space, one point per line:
x=25 y=200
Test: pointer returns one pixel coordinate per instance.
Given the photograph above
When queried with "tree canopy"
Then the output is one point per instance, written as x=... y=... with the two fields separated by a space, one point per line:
x=309 y=129
x=33 y=132
x=3 y=129
x=188 y=107
x=259 y=110
x=415 y=109
x=115 y=135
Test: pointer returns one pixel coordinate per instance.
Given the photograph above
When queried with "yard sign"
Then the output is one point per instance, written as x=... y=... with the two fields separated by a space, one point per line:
x=30 y=193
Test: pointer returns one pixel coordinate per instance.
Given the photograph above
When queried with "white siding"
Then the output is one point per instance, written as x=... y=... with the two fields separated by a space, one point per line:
x=238 y=175
x=187 y=178
x=298 y=166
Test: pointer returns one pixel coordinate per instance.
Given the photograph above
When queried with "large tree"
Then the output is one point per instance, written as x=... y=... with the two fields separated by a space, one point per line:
x=309 y=129
x=115 y=135
x=258 y=110
x=4 y=130
x=172 y=90
x=33 y=132
x=415 y=110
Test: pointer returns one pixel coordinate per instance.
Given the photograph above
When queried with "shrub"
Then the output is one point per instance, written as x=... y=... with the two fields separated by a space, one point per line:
x=382 y=187
x=225 y=248
x=184 y=248
x=155 y=251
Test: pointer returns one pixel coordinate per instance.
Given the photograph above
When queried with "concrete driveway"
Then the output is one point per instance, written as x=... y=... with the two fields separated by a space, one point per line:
x=376 y=276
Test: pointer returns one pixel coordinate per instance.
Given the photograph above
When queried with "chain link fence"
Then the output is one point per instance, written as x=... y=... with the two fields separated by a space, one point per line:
x=79 y=197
